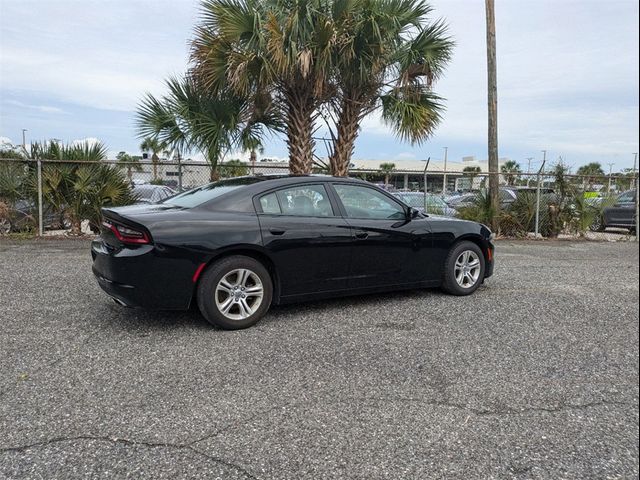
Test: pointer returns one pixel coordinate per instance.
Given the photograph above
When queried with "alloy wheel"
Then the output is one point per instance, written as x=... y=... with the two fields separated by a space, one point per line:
x=239 y=294
x=467 y=269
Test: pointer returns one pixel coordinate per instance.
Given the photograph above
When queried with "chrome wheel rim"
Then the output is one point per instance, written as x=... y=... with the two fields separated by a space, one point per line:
x=239 y=294
x=467 y=269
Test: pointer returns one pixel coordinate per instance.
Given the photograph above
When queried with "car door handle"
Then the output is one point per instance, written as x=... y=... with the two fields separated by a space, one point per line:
x=361 y=235
x=276 y=231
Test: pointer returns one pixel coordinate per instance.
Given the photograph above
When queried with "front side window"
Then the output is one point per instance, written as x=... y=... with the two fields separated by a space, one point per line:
x=364 y=202
x=300 y=201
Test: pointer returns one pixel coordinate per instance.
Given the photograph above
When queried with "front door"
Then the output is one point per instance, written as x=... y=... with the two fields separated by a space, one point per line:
x=308 y=241
x=388 y=248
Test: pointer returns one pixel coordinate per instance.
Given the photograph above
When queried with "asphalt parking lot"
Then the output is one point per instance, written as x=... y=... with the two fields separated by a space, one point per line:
x=535 y=376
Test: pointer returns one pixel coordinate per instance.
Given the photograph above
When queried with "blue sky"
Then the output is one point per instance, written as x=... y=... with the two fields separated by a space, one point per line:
x=567 y=73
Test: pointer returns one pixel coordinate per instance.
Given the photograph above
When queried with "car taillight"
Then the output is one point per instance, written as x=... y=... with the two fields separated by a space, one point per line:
x=127 y=234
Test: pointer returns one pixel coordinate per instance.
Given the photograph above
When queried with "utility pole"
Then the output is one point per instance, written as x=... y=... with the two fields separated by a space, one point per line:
x=444 y=178
x=492 y=83
x=529 y=169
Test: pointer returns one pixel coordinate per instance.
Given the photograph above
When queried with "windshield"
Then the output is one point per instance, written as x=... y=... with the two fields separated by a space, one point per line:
x=203 y=194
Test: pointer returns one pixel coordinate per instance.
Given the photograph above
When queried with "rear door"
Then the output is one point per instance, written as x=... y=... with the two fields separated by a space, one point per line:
x=388 y=249
x=624 y=210
x=306 y=237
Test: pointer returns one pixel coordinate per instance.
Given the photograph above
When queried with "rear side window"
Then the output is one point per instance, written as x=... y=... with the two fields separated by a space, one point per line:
x=299 y=201
x=269 y=204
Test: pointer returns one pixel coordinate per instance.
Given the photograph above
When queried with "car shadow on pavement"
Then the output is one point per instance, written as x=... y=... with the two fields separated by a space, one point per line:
x=142 y=321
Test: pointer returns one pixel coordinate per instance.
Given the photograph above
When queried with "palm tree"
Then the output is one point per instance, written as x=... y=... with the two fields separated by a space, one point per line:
x=511 y=169
x=190 y=118
x=272 y=48
x=590 y=172
x=130 y=163
x=155 y=146
x=387 y=168
x=388 y=58
x=80 y=186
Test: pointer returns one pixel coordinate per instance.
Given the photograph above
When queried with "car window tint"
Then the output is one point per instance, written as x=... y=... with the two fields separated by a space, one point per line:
x=306 y=201
x=364 y=202
x=269 y=204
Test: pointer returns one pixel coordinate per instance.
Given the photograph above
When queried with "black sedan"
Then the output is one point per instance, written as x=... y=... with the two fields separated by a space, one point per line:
x=620 y=215
x=237 y=246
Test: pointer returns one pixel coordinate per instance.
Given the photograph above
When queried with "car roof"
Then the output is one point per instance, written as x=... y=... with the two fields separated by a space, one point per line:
x=240 y=199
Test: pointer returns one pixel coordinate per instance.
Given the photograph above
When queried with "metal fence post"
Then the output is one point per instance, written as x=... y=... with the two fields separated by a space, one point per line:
x=538 y=200
x=40 y=216
x=179 y=173
x=425 y=184
x=637 y=206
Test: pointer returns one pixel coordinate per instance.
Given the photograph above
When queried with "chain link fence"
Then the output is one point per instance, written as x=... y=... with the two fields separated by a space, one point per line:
x=54 y=195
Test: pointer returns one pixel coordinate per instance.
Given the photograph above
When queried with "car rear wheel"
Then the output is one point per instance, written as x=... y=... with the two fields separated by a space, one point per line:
x=464 y=269
x=597 y=225
x=235 y=292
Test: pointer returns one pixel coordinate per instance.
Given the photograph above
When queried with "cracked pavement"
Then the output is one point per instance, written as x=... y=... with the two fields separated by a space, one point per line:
x=534 y=376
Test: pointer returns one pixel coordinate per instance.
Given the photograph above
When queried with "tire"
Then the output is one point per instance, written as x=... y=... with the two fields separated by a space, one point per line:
x=453 y=273
x=229 y=289
x=597 y=225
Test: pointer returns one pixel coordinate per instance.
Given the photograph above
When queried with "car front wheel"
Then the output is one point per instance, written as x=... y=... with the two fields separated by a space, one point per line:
x=464 y=269
x=235 y=292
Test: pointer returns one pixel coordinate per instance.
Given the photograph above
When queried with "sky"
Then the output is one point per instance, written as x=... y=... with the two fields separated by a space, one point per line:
x=567 y=77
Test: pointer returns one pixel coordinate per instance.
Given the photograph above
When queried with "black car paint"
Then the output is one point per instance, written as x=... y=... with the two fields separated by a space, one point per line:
x=623 y=213
x=308 y=257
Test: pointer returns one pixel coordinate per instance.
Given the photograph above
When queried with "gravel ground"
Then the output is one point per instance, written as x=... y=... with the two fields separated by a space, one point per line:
x=535 y=376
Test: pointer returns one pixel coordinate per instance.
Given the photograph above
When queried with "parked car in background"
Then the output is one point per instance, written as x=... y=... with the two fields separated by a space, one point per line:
x=507 y=195
x=620 y=215
x=435 y=204
x=23 y=216
x=236 y=246
x=147 y=193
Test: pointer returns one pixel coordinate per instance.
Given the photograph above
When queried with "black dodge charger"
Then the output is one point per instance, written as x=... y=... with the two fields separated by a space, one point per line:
x=238 y=246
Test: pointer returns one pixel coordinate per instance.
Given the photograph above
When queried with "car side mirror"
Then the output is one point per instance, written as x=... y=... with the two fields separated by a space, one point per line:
x=412 y=213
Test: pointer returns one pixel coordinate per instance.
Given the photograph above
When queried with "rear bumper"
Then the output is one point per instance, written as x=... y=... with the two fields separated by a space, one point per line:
x=141 y=276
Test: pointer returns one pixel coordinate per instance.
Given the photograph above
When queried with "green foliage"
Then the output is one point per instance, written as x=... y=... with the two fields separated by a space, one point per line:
x=481 y=209
x=77 y=185
x=190 y=117
x=233 y=168
x=511 y=169
x=332 y=58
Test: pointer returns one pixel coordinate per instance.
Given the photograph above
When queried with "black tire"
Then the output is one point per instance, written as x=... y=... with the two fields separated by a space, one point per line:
x=208 y=295
x=449 y=282
x=597 y=225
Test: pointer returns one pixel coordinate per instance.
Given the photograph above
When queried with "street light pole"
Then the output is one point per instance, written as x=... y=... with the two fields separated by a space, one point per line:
x=444 y=178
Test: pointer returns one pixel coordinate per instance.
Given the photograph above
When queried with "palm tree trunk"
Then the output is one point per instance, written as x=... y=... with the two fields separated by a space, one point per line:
x=253 y=157
x=299 y=131
x=347 y=131
x=154 y=162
